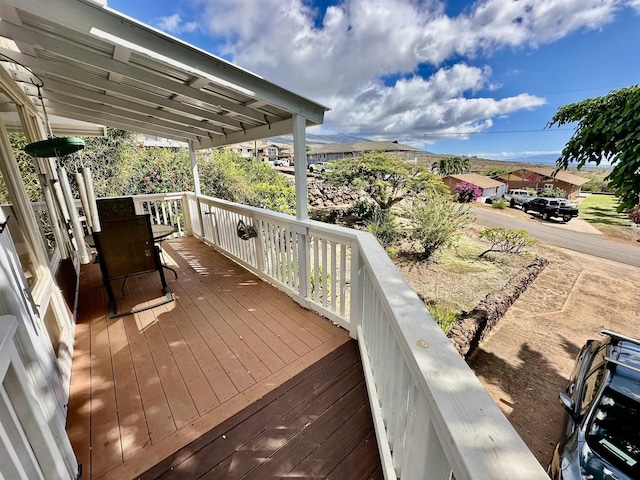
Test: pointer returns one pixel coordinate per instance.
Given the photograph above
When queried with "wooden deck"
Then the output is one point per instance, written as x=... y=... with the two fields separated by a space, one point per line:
x=148 y=385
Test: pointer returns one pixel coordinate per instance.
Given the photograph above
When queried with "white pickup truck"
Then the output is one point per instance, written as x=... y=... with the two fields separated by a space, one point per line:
x=517 y=197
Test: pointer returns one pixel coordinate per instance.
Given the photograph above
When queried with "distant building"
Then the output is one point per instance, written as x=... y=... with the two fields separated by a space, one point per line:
x=490 y=187
x=243 y=149
x=336 y=151
x=541 y=178
x=262 y=150
x=154 y=141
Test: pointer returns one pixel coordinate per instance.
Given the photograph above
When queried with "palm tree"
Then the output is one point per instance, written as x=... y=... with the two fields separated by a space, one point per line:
x=451 y=165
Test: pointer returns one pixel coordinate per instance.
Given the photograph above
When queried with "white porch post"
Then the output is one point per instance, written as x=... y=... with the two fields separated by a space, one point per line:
x=194 y=168
x=300 y=166
x=302 y=211
x=196 y=186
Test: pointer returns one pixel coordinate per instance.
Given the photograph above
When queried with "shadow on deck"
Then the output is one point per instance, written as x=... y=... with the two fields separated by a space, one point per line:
x=232 y=380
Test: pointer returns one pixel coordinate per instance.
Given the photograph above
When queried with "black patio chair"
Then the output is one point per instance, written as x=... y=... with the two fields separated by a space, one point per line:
x=126 y=248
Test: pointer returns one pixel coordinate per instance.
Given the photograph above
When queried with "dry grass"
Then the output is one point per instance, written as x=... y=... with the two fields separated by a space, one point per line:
x=456 y=278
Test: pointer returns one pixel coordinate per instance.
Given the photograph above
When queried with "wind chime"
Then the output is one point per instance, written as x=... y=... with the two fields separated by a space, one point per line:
x=59 y=147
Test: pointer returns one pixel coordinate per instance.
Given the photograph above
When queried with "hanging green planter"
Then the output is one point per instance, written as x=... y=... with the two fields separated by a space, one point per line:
x=54 y=147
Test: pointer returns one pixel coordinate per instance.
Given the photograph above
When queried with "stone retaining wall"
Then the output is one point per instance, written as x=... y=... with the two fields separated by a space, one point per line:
x=323 y=195
x=467 y=334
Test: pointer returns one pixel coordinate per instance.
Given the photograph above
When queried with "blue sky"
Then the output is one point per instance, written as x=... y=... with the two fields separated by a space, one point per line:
x=475 y=78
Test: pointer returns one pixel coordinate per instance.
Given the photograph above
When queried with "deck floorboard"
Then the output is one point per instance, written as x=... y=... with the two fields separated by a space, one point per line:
x=316 y=425
x=232 y=354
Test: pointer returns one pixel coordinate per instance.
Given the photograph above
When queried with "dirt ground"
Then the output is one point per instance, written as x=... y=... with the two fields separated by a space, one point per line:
x=527 y=359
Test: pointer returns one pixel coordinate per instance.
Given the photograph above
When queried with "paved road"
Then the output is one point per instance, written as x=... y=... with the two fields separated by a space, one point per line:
x=565 y=238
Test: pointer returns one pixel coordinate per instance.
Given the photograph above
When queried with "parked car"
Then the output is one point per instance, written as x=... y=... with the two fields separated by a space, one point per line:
x=602 y=439
x=280 y=162
x=517 y=197
x=548 y=207
x=319 y=167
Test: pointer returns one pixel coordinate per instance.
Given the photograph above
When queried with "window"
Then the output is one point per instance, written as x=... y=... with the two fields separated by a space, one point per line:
x=613 y=432
x=590 y=389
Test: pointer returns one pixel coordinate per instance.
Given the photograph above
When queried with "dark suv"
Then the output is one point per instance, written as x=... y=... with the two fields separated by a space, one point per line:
x=603 y=401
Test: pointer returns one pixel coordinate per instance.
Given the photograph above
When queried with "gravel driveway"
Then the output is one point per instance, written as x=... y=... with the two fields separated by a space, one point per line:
x=526 y=361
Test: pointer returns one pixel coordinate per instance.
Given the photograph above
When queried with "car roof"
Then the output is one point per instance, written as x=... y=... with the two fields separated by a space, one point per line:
x=625 y=364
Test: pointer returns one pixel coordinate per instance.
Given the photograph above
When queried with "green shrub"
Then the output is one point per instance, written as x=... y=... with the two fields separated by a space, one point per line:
x=437 y=223
x=553 y=192
x=444 y=315
x=384 y=227
x=316 y=284
x=500 y=203
x=365 y=210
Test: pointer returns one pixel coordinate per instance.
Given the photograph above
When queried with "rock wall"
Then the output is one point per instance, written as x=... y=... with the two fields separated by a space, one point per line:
x=467 y=334
x=323 y=195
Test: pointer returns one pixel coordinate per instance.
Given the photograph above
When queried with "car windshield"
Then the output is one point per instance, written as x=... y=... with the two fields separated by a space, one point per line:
x=613 y=431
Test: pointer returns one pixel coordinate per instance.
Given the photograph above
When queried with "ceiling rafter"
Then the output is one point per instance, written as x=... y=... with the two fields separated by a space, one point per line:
x=99 y=65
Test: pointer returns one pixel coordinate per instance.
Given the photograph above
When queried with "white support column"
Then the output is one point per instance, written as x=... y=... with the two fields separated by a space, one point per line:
x=194 y=168
x=300 y=166
x=302 y=211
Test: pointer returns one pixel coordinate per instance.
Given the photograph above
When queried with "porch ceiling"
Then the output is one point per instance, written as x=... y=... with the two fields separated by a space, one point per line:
x=102 y=67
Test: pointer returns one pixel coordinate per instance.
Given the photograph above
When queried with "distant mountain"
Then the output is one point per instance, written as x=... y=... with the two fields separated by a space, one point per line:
x=320 y=138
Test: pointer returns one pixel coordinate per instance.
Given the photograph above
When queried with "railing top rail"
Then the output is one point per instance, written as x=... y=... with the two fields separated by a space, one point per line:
x=478 y=440
x=283 y=218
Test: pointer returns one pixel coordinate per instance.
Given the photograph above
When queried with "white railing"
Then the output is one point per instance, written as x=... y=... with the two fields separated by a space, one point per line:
x=432 y=415
x=164 y=209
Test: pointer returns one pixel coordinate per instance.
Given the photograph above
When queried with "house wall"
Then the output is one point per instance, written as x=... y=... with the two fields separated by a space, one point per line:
x=571 y=190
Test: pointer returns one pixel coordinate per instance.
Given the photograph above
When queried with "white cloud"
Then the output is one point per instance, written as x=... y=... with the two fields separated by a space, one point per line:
x=342 y=57
x=174 y=24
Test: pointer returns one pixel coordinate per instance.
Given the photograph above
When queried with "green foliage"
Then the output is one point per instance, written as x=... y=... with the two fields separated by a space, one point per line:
x=384 y=227
x=386 y=179
x=316 y=284
x=596 y=186
x=365 y=210
x=120 y=166
x=444 y=315
x=160 y=170
x=608 y=129
x=437 y=222
x=381 y=223
x=226 y=175
x=115 y=163
x=506 y=240
x=555 y=192
x=500 y=203
x=451 y=165
x=492 y=172
x=27 y=169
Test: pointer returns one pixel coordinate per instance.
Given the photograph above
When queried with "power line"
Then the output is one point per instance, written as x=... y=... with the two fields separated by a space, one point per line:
x=445 y=134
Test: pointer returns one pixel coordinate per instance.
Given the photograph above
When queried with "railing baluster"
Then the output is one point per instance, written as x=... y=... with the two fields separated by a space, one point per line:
x=418 y=376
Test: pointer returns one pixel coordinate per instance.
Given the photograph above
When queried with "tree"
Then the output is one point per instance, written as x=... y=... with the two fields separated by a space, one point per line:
x=608 y=130
x=386 y=179
x=451 y=166
x=506 y=240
